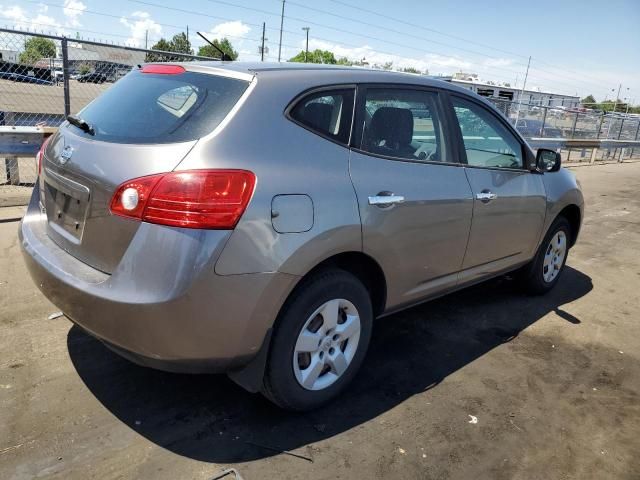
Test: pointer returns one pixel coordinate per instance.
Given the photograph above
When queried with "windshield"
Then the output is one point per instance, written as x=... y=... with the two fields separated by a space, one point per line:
x=157 y=108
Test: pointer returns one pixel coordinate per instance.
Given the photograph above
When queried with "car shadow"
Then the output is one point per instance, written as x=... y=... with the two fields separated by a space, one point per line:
x=209 y=418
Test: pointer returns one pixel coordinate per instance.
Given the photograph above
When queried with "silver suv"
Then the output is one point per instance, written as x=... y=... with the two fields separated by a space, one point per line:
x=254 y=219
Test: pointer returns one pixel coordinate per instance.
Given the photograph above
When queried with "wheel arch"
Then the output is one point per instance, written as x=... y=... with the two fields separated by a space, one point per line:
x=363 y=267
x=574 y=216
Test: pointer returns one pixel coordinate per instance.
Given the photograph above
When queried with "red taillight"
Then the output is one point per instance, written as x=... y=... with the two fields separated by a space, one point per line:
x=193 y=198
x=40 y=154
x=163 y=69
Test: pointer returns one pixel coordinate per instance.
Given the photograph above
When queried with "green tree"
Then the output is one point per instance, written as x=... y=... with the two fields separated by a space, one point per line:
x=588 y=100
x=84 y=68
x=37 y=48
x=411 y=70
x=161 y=45
x=181 y=44
x=178 y=44
x=224 y=45
x=315 y=56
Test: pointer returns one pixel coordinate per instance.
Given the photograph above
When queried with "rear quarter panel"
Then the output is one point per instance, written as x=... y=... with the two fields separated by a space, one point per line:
x=287 y=159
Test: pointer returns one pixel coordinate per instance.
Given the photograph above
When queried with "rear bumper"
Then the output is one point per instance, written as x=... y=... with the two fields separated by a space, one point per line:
x=163 y=306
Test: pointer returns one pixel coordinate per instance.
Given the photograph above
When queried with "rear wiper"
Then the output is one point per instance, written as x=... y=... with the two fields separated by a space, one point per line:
x=81 y=124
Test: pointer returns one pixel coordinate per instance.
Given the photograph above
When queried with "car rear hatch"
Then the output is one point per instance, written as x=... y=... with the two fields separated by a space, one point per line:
x=143 y=125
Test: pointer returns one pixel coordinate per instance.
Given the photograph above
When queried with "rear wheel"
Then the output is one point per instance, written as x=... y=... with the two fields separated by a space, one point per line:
x=320 y=341
x=543 y=272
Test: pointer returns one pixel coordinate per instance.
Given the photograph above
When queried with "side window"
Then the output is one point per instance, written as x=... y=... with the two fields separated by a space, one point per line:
x=327 y=112
x=487 y=142
x=404 y=124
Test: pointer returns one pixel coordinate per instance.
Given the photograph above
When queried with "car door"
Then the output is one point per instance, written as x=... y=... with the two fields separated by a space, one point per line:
x=509 y=200
x=414 y=200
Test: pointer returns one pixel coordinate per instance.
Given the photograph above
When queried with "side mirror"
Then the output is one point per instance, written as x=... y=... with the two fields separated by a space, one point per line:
x=548 y=160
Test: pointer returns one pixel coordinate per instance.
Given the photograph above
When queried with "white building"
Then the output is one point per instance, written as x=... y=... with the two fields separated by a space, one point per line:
x=9 y=56
x=501 y=92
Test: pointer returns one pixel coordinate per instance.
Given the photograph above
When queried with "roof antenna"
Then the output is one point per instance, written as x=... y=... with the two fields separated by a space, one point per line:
x=224 y=55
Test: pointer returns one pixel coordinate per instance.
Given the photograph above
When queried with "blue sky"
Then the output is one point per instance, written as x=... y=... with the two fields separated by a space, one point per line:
x=577 y=46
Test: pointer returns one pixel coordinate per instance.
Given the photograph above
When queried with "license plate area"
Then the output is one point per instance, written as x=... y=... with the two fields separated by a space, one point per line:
x=66 y=204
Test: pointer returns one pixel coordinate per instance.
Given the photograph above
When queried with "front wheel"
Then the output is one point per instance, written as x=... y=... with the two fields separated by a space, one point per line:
x=543 y=272
x=319 y=342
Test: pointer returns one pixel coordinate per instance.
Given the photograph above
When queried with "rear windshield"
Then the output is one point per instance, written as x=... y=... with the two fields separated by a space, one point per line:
x=156 y=108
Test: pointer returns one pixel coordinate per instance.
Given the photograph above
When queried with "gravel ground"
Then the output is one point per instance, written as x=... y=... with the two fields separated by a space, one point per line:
x=485 y=383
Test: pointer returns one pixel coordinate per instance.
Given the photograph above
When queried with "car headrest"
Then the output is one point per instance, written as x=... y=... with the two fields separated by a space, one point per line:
x=318 y=115
x=393 y=125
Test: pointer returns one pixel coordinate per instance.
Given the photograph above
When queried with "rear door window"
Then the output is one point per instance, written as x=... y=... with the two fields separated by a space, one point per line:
x=327 y=113
x=145 y=108
x=403 y=123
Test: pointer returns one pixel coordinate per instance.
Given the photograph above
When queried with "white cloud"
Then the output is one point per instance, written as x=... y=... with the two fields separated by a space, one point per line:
x=73 y=10
x=431 y=62
x=139 y=27
x=18 y=17
x=230 y=29
x=497 y=62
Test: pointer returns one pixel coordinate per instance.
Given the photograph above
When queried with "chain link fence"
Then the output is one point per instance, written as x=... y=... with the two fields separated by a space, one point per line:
x=536 y=121
x=557 y=122
x=43 y=78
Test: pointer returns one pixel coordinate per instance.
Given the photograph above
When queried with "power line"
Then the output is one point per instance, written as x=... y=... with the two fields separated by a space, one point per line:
x=540 y=77
x=422 y=27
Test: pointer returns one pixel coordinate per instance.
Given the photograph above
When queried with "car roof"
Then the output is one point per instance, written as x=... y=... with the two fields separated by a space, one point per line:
x=336 y=73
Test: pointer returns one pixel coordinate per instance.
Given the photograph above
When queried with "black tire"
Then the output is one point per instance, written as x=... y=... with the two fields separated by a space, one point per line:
x=533 y=273
x=280 y=384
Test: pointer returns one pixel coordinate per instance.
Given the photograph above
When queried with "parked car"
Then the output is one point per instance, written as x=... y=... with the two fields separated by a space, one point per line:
x=203 y=217
x=534 y=128
x=16 y=77
x=92 y=78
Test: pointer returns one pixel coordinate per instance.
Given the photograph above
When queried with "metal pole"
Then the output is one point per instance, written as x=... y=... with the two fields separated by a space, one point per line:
x=524 y=84
x=615 y=103
x=262 y=48
x=621 y=125
x=306 y=50
x=573 y=127
x=626 y=116
x=146 y=39
x=281 y=26
x=600 y=125
x=636 y=137
x=65 y=77
x=544 y=121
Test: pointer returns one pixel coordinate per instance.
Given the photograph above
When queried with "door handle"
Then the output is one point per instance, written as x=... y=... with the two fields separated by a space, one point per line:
x=486 y=196
x=385 y=200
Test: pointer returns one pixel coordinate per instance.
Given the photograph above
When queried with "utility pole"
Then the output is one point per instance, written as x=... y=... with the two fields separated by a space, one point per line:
x=524 y=84
x=306 y=50
x=264 y=25
x=615 y=103
x=146 y=39
x=281 y=25
x=187 y=33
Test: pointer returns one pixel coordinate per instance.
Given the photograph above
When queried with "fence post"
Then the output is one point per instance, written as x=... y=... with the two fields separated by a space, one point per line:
x=600 y=125
x=544 y=120
x=65 y=78
x=573 y=127
x=621 y=125
x=636 y=137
